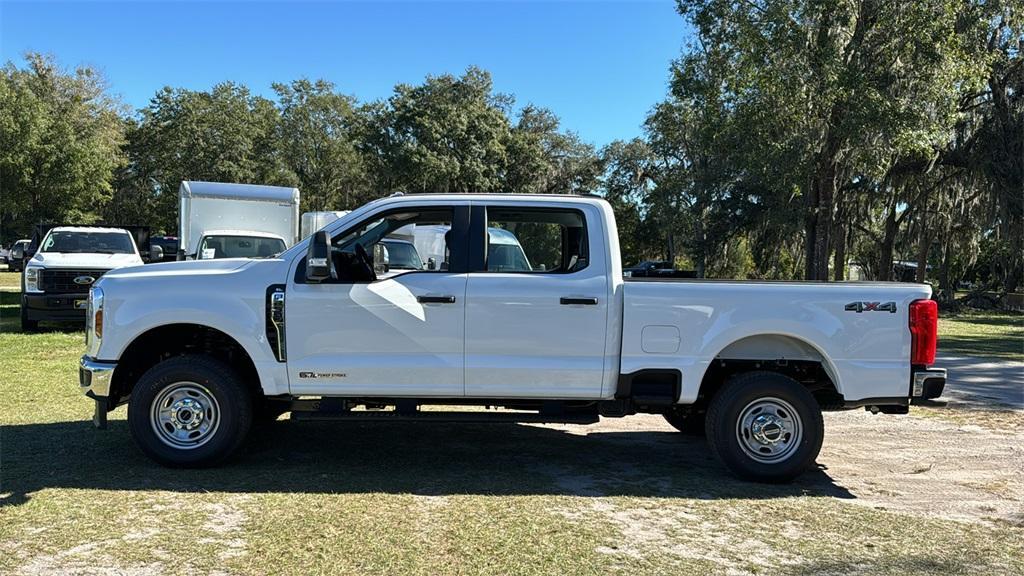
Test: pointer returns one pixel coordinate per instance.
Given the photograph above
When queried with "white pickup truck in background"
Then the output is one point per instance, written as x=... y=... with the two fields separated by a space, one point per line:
x=68 y=260
x=201 y=350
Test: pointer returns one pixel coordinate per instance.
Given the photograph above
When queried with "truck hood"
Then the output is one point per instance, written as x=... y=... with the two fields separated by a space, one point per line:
x=183 y=268
x=67 y=260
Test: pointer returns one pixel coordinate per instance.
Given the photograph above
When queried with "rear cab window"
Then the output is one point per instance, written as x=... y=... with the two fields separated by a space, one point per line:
x=535 y=240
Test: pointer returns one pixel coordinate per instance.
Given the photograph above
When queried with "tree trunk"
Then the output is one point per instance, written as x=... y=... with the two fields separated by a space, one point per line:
x=810 y=228
x=923 y=248
x=701 y=241
x=887 y=246
x=839 y=264
x=947 y=293
x=826 y=192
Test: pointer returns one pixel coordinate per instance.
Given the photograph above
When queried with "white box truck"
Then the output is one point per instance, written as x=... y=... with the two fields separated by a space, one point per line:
x=221 y=220
x=313 y=221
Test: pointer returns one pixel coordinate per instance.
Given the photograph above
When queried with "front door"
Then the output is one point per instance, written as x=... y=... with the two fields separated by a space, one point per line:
x=398 y=334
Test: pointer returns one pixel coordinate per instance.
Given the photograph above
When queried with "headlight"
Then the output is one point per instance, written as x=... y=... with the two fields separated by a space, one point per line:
x=33 y=277
x=94 y=314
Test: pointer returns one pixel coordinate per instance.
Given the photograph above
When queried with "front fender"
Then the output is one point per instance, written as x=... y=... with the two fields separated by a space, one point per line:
x=229 y=304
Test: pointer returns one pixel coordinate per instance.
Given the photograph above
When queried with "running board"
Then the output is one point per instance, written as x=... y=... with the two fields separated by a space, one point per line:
x=429 y=416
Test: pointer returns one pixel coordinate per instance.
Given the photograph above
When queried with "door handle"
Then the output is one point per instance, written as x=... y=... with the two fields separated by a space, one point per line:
x=436 y=299
x=570 y=300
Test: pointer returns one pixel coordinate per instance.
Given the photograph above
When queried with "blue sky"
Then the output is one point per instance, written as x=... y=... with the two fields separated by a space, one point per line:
x=599 y=66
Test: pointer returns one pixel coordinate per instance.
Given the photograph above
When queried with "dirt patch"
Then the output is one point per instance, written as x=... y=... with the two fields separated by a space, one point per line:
x=929 y=466
x=222 y=530
x=644 y=532
x=926 y=466
x=85 y=560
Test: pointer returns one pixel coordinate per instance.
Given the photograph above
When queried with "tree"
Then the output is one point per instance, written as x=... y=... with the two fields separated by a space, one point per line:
x=225 y=135
x=317 y=144
x=543 y=160
x=60 y=144
x=445 y=135
x=863 y=89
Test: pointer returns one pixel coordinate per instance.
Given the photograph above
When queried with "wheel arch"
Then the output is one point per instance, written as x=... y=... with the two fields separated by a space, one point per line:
x=781 y=352
x=158 y=343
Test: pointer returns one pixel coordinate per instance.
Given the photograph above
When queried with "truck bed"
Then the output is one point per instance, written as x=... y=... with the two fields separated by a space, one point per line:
x=858 y=331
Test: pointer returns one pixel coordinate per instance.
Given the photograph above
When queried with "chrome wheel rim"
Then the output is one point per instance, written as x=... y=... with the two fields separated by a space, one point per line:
x=185 y=415
x=769 y=430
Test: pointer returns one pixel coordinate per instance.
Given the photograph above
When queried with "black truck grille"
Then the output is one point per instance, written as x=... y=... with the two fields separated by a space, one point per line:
x=63 y=281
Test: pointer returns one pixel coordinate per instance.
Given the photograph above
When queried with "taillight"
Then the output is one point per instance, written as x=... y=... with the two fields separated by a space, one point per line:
x=924 y=331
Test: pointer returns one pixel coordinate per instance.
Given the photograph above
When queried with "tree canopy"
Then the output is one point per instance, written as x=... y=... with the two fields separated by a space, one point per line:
x=817 y=139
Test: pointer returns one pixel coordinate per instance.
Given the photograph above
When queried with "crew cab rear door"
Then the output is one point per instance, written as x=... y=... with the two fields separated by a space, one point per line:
x=537 y=304
x=400 y=334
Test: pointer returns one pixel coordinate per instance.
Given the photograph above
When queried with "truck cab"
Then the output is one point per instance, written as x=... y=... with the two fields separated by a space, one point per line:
x=239 y=244
x=328 y=328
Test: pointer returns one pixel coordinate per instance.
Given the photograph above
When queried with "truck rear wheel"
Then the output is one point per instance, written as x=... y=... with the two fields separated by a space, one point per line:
x=189 y=411
x=765 y=426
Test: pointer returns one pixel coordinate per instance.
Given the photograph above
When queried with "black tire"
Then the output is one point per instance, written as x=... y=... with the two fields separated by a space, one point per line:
x=691 y=424
x=206 y=378
x=732 y=443
x=26 y=324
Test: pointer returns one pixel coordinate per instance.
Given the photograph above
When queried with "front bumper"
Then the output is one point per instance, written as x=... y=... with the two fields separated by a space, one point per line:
x=927 y=384
x=94 y=377
x=55 y=307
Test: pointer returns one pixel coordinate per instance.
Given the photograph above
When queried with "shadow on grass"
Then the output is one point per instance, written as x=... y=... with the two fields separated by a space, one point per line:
x=888 y=564
x=1002 y=319
x=399 y=458
x=996 y=346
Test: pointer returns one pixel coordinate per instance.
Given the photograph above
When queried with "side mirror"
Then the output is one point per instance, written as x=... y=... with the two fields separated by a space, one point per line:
x=431 y=264
x=156 y=253
x=319 y=264
x=380 y=259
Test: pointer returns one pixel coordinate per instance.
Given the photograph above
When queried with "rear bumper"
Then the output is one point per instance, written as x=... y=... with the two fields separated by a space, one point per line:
x=927 y=384
x=55 y=307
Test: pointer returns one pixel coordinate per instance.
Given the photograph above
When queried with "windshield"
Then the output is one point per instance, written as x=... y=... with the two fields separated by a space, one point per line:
x=402 y=256
x=89 y=243
x=239 y=247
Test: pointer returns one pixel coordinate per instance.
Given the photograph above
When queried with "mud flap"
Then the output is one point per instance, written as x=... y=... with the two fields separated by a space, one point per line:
x=99 y=415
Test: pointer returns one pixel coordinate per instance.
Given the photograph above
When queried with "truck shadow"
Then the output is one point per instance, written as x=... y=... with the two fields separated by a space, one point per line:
x=399 y=458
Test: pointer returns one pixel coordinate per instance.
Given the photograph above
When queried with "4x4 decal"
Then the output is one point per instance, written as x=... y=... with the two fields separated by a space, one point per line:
x=859 y=307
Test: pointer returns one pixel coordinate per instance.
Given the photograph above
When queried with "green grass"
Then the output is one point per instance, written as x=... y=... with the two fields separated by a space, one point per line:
x=406 y=498
x=982 y=333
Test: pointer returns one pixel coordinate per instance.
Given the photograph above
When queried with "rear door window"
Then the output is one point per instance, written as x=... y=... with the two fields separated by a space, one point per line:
x=535 y=240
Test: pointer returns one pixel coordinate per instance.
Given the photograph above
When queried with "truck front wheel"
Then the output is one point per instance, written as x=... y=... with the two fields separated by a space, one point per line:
x=765 y=426
x=189 y=411
x=26 y=324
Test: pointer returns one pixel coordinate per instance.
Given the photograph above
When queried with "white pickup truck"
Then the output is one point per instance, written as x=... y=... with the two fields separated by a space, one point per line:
x=55 y=282
x=201 y=350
